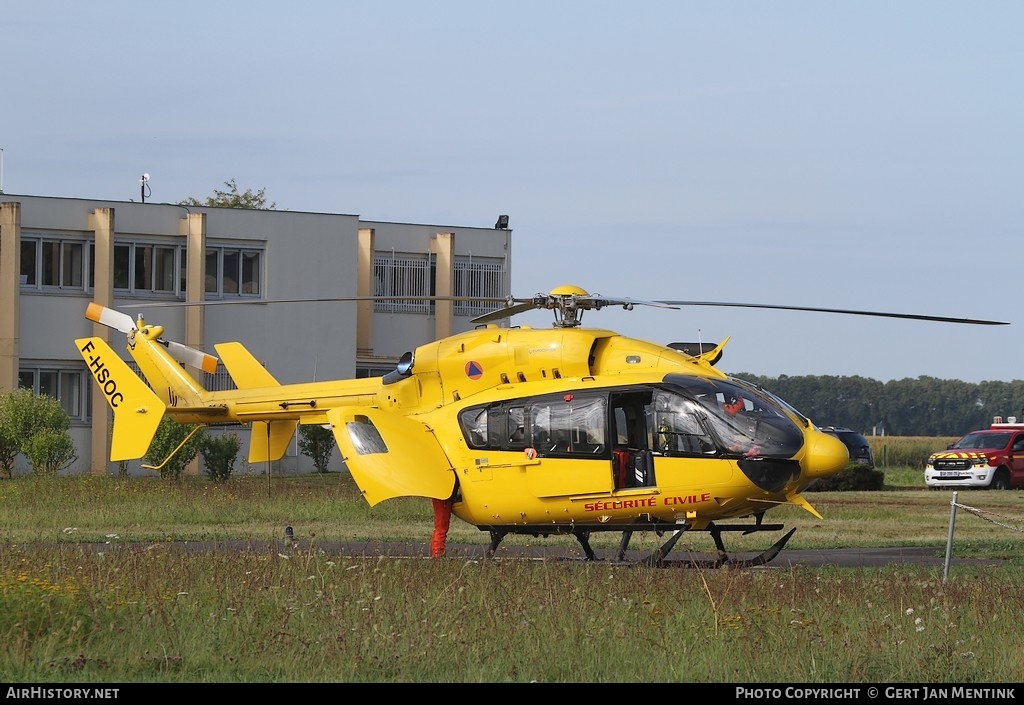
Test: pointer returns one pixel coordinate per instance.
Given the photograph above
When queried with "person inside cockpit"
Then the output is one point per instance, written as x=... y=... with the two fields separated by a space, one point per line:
x=742 y=428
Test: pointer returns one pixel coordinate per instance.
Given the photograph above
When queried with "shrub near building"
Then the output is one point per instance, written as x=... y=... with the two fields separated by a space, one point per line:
x=35 y=426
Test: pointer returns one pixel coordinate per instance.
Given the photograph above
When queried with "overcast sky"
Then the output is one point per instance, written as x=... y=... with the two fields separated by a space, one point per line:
x=854 y=155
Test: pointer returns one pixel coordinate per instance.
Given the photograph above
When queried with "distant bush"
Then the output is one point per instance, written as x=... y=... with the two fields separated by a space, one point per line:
x=172 y=449
x=851 y=479
x=35 y=425
x=318 y=443
x=50 y=450
x=219 y=453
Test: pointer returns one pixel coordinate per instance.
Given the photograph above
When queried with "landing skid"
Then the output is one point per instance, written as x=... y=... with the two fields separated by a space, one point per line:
x=723 y=560
x=659 y=558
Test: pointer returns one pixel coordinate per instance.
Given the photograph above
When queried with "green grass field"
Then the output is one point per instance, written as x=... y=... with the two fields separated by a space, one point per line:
x=93 y=593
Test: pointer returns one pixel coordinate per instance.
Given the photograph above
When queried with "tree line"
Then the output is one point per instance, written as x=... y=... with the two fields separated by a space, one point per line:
x=925 y=406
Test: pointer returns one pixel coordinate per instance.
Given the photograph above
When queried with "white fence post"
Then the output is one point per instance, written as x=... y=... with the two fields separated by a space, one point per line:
x=949 y=540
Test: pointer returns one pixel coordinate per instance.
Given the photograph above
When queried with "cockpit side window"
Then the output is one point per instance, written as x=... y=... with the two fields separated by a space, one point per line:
x=740 y=419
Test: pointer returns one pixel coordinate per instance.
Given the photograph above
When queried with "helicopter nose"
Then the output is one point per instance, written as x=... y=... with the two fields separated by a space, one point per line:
x=825 y=456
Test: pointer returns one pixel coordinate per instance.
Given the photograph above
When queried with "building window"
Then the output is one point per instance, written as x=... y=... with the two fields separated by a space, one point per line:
x=233 y=271
x=479 y=278
x=368 y=371
x=396 y=276
x=68 y=385
x=150 y=269
x=153 y=267
x=219 y=381
x=122 y=265
x=53 y=263
x=139 y=267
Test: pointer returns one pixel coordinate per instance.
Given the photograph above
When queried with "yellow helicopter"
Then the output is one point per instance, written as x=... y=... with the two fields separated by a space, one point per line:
x=544 y=432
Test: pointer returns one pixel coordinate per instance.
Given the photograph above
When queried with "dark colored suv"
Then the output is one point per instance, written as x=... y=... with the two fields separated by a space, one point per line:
x=860 y=449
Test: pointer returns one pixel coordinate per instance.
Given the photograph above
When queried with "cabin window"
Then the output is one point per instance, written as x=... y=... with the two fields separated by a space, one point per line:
x=474 y=427
x=563 y=425
x=516 y=428
x=365 y=437
x=572 y=425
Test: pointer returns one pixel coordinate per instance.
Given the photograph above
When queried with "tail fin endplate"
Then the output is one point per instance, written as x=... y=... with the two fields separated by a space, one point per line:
x=268 y=440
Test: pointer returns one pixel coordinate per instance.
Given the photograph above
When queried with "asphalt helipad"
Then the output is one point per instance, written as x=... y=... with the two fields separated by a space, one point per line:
x=569 y=551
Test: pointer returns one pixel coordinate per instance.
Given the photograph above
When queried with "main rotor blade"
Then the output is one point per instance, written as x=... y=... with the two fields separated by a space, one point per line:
x=119 y=322
x=912 y=316
x=598 y=301
x=325 y=299
x=504 y=312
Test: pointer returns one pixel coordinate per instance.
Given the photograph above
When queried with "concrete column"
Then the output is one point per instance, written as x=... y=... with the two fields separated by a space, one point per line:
x=364 y=287
x=193 y=227
x=101 y=221
x=10 y=294
x=443 y=247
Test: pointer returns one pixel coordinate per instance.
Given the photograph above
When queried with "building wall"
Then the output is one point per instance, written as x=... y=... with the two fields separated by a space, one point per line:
x=304 y=256
x=404 y=331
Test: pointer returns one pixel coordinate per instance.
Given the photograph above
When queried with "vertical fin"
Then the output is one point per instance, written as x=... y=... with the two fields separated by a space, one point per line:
x=137 y=410
x=268 y=440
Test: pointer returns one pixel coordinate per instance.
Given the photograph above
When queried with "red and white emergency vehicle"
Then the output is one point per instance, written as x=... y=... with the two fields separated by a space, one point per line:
x=991 y=458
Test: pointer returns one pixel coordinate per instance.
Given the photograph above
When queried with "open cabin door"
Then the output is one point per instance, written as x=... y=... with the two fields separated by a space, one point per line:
x=390 y=455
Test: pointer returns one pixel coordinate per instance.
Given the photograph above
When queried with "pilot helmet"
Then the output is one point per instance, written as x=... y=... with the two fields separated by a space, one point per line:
x=733 y=405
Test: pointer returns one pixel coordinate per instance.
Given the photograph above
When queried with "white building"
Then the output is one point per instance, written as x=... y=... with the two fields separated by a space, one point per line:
x=58 y=254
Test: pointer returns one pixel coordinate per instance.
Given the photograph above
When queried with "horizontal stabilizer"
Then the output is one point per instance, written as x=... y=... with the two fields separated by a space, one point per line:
x=245 y=370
